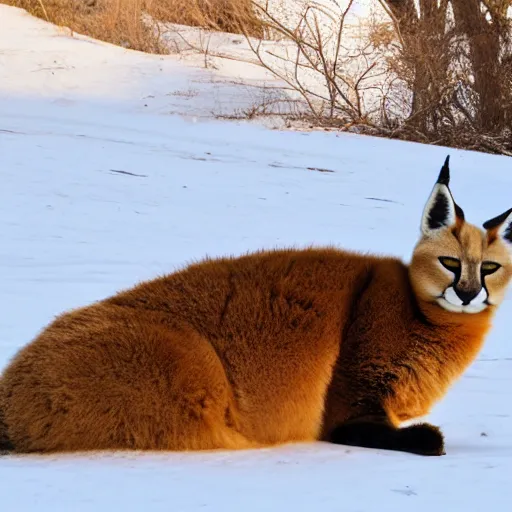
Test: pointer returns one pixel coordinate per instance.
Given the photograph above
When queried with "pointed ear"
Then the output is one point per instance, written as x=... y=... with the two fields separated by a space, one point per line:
x=500 y=227
x=441 y=211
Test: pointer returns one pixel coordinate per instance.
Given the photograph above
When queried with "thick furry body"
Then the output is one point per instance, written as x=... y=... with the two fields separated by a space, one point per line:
x=268 y=348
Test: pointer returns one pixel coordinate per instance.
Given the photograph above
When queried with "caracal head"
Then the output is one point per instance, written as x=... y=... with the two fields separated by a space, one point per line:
x=457 y=265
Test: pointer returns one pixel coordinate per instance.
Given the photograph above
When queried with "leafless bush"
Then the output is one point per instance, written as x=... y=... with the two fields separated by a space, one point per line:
x=321 y=65
x=439 y=71
x=455 y=57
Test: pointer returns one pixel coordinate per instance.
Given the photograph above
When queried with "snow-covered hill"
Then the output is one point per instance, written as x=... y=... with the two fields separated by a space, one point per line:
x=99 y=191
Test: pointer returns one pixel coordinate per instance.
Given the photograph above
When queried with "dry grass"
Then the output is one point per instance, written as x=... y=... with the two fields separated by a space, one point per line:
x=235 y=16
x=121 y=21
x=115 y=21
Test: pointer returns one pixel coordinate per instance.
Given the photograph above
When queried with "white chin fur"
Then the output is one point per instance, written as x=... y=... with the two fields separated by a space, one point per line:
x=451 y=302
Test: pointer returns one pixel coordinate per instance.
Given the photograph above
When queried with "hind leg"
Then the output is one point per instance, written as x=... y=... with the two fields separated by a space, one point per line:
x=125 y=386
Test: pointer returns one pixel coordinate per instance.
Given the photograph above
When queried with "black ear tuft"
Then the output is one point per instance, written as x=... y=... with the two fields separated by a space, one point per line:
x=444 y=175
x=444 y=179
x=503 y=224
x=497 y=221
x=441 y=211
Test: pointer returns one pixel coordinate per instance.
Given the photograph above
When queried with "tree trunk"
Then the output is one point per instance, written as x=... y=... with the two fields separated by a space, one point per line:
x=424 y=46
x=484 y=48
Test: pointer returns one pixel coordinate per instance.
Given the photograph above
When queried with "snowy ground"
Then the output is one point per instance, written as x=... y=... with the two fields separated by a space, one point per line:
x=98 y=192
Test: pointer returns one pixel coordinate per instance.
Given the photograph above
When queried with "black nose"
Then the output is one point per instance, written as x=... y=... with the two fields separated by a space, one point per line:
x=466 y=296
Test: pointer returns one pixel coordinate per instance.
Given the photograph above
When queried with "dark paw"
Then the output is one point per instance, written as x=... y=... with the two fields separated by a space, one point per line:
x=422 y=439
x=367 y=435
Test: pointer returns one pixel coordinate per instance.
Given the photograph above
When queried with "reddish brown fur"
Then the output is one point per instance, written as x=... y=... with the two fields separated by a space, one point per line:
x=268 y=348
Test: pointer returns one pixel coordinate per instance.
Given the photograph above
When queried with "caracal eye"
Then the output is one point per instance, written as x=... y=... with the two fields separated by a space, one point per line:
x=489 y=267
x=452 y=264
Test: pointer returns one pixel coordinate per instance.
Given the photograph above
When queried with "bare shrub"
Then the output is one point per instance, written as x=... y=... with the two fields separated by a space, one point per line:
x=438 y=71
x=455 y=57
x=318 y=65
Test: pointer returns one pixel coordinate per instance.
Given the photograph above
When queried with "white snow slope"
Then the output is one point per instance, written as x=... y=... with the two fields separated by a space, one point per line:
x=98 y=192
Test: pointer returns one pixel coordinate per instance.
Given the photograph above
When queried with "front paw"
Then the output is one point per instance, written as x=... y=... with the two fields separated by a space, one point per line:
x=365 y=434
x=422 y=439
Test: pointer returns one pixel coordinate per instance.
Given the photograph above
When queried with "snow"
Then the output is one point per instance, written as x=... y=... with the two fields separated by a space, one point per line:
x=99 y=191
x=39 y=60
